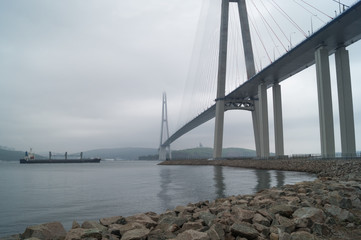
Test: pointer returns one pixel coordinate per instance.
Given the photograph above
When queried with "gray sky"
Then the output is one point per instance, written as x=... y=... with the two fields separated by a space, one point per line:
x=80 y=75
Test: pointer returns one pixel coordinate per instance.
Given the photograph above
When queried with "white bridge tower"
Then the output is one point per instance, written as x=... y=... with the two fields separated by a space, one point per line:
x=164 y=151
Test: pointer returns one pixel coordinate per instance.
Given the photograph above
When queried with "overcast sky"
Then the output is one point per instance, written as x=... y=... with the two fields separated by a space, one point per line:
x=86 y=74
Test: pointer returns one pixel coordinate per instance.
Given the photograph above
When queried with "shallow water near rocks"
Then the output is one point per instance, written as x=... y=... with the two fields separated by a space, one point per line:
x=35 y=194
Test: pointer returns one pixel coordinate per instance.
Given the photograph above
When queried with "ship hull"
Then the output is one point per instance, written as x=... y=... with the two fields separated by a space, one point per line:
x=84 y=160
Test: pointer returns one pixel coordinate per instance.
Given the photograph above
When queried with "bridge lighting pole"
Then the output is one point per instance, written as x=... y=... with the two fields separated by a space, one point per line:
x=221 y=81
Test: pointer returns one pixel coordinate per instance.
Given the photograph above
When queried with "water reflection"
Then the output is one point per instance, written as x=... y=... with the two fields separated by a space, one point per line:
x=280 y=176
x=219 y=182
x=165 y=181
x=264 y=179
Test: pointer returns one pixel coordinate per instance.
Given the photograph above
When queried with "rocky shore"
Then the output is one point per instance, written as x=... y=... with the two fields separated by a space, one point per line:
x=327 y=208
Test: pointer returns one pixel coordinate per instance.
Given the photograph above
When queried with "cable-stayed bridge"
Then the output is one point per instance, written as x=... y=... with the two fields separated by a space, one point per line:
x=333 y=38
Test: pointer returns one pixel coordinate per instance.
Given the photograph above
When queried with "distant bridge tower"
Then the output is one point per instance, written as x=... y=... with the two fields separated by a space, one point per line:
x=164 y=132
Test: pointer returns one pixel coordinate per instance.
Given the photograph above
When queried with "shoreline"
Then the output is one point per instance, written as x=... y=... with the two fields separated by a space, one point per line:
x=327 y=208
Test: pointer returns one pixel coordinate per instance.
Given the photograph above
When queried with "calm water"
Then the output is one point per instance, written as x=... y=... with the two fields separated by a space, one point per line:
x=34 y=194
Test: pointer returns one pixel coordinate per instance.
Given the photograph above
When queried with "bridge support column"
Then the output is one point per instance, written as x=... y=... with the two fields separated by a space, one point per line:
x=278 y=125
x=256 y=133
x=221 y=81
x=347 y=127
x=325 y=102
x=263 y=120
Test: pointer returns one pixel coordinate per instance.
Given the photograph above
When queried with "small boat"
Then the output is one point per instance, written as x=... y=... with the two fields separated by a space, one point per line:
x=30 y=158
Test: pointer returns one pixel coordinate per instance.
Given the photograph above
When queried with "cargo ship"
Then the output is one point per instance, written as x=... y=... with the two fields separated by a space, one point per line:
x=30 y=158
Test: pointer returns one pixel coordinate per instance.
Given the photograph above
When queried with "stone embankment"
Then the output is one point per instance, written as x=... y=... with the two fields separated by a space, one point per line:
x=327 y=208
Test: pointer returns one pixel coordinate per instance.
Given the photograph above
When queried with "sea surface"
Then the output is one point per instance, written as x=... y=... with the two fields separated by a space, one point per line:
x=39 y=193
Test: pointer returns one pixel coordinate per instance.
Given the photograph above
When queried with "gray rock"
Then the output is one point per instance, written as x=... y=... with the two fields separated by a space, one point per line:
x=244 y=230
x=258 y=218
x=192 y=226
x=53 y=230
x=320 y=229
x=192 y=235
x=207 y=217
x=243 y=214
x=112 y=220
x=216 y=232
x=262 y=229
x=158 y=234
x=119 y=229
x=142 y=219
x=341 y=214
x=314 y=214
x=282 y=209
x=302 y=236
x=81 y=233
x=75 y=224
x=93 y=225
x=287 y=225
x=169 y=220
x=136 y=234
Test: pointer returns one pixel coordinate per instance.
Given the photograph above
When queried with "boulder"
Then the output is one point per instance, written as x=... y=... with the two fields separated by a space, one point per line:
x=258 y=218
x=192 y=235
x=243 y=214
x=81 y=233
x=112 y=220
x=207 y=217
x=136 y=234
x=169 y=220
x=192 y=226
x=75 y=224
x=285 y=224
x=53 y=230
x=142 y=219
x=314 y=214
x=216 y=232
x=302 y=236
x=158 y=234
x=119 y=229
x=341 y=214
x=93 y=225
x=282 y=209
x=244 y=230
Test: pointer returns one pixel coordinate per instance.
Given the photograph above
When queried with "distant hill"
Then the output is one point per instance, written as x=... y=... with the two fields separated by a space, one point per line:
x=13 y=155
x=120 y=153
x=206 y=153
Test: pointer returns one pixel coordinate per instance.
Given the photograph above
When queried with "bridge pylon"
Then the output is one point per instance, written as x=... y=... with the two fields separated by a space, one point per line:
x=164 y=151
x=259 y=132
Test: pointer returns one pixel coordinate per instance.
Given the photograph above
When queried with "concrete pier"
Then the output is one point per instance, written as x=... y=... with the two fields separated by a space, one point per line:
x=278 y=123
x=347 y=127
x=263 y=120
x=325 y=102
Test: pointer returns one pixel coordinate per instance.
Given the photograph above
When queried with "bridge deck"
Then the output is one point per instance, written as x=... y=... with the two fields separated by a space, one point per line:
x=341 y=31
